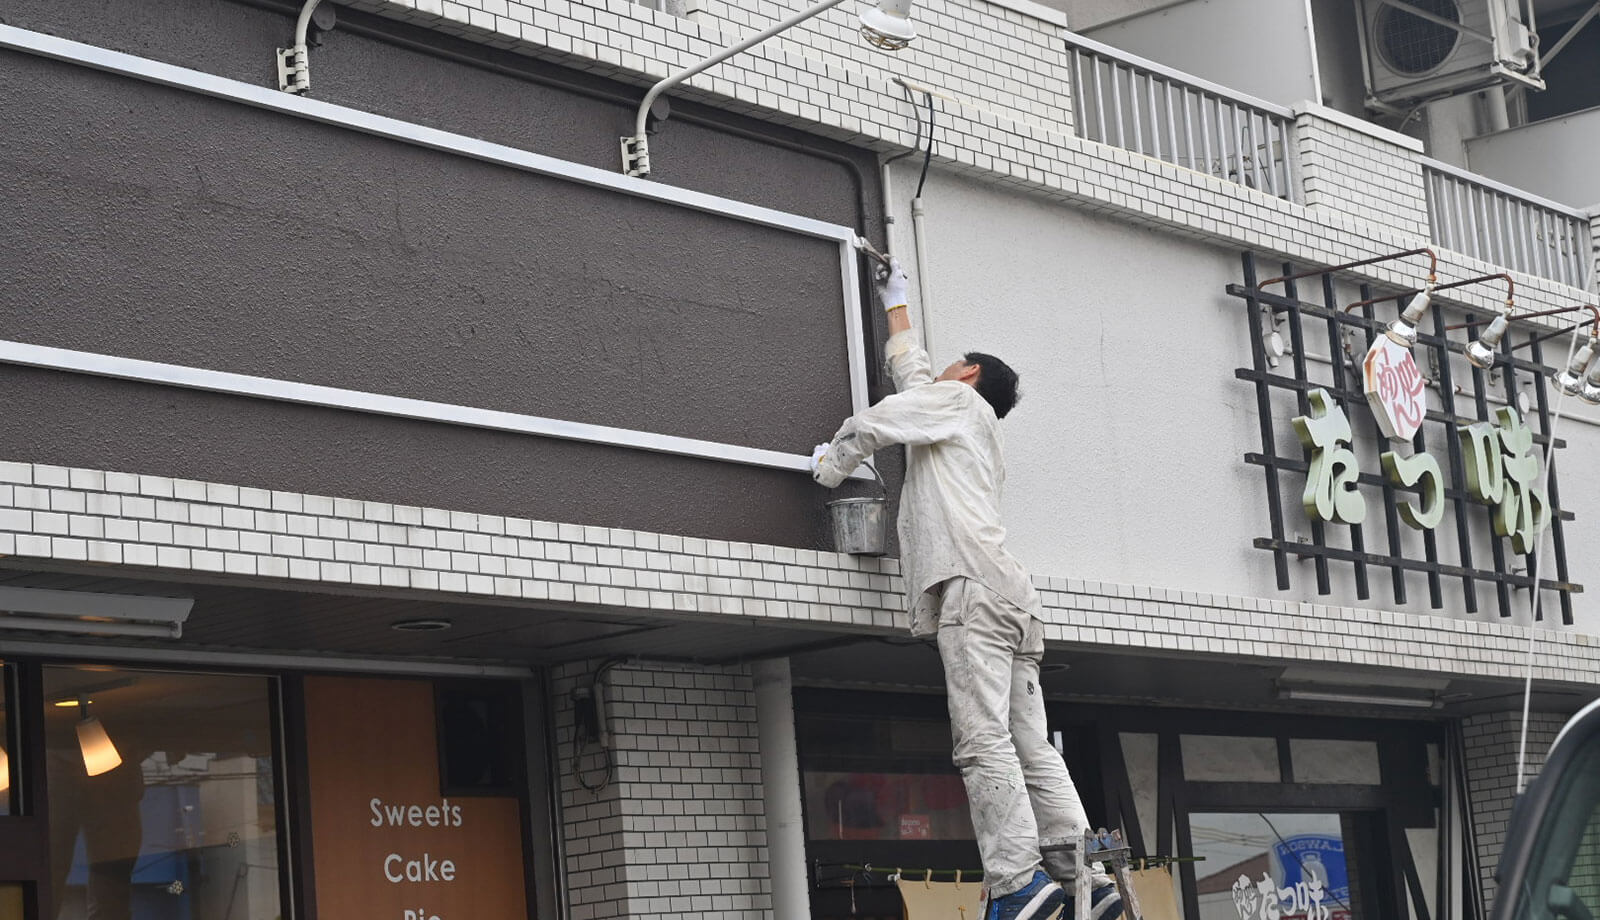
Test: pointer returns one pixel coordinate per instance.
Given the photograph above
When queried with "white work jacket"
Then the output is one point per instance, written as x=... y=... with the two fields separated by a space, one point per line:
x=950 y=504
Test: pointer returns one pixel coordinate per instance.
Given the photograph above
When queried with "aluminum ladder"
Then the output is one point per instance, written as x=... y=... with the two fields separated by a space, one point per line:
x=1067 y=860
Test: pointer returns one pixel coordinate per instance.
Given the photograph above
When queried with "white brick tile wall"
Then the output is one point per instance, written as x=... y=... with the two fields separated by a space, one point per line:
x=467 y=554
x=1491 y=741
x=678 y=830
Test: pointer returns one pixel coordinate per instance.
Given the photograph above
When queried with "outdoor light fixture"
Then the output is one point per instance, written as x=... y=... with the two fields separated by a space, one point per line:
x=99 y=754
x=1571 y=380
x=1404 y=329
x=87 y=613
x=1355 y=697
x=1480 y=353
x=887 y=26
x=1591 y=387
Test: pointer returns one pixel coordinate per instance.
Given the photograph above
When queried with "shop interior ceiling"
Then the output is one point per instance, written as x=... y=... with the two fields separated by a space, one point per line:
x=358 y=622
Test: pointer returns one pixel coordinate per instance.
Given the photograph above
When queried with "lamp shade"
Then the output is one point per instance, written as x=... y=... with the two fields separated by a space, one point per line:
x=1481 y=352
x=5 y=771
x=888 y=24
x=99 y=754
x=1404 y=329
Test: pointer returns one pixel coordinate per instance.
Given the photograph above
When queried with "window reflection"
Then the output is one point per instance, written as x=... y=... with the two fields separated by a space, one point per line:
x=162 y=797
x=1278 y=866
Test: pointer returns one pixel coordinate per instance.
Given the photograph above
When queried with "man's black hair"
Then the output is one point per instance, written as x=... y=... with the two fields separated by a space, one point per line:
x=997 y=382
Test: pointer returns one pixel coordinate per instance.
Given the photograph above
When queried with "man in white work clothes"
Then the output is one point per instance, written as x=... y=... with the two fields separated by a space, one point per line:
x=965 y=587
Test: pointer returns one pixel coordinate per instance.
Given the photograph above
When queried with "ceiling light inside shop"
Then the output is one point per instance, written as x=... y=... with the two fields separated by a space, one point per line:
x=99 y=754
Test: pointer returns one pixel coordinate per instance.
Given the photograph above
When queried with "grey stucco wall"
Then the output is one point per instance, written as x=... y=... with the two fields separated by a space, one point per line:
x=158 y=224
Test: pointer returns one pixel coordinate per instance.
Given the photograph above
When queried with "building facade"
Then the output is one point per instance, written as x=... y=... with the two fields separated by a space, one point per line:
x=405 y=514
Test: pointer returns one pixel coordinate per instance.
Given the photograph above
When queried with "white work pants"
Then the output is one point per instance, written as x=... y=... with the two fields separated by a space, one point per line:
x=1017 y=784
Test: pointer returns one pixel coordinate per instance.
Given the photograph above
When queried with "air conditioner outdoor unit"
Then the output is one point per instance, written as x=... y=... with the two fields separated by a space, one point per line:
x=1414 y=50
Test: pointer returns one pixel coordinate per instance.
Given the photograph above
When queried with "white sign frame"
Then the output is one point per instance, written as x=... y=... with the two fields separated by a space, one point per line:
x=161 y=74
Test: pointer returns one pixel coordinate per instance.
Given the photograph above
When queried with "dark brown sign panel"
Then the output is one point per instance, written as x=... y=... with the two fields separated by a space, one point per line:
x=386 y=844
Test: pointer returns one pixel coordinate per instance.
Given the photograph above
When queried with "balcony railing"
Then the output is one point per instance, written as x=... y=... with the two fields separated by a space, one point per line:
x=1501 y=225
x=1126 y=101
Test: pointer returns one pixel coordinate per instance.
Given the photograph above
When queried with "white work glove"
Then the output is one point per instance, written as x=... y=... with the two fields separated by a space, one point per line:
x=817 y=454
x=893 y=284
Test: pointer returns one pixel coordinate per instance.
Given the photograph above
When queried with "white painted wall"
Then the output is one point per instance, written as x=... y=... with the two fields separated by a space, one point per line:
x=1542 y=158
x=1087 y=14
x=1263 y=49
x=1125 y=456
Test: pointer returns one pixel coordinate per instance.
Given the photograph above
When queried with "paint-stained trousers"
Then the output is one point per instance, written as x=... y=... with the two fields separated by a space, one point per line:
x=1017 y=784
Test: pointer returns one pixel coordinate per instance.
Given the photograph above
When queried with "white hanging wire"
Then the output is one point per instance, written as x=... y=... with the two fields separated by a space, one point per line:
x=1536 y=601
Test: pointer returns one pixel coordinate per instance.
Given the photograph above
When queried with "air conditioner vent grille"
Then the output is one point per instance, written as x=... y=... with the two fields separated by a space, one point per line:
x=1413 y=45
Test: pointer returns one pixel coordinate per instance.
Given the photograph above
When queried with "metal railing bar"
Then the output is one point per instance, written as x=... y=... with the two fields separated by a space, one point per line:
x=1188 y=128
x=1235 y=143
x=1133 y=110
x=1155 y=120
x=1476 y=179
x=1099 y=100
x=1116 y=102
x=1172 y=120
x=1200 y=83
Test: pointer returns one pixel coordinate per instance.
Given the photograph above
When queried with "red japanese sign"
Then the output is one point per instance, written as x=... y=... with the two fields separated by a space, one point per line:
x=1395 y=388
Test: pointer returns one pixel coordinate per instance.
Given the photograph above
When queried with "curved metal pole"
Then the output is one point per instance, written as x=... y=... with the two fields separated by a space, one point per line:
x=637 y=162
x=1433 y=266
x=1511 y=291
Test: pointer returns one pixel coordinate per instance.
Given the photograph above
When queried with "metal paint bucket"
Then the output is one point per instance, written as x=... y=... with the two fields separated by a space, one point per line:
x=861 y=525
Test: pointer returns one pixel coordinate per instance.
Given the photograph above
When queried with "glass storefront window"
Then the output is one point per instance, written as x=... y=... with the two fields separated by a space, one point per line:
x=1279 y=866
x=162 y=795
x=1321 y=760
x=8 y=744
x=886 y=806
x=1230 y=759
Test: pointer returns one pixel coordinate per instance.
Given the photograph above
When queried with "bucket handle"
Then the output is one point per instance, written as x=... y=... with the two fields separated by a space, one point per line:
x=874 y=471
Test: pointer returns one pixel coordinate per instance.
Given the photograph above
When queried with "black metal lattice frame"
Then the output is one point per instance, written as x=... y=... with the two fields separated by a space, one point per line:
x=1346 y=390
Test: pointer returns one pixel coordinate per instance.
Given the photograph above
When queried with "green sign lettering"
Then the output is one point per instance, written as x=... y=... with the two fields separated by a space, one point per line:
x=1420 y=471
x=1522 y=511
x=1331 y=495
x=1486 y=474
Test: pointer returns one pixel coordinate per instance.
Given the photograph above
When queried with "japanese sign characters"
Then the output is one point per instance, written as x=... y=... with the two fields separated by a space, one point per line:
x=1394 y=388
x=1264 y=900
x=1501 y=471
x=1331 y=493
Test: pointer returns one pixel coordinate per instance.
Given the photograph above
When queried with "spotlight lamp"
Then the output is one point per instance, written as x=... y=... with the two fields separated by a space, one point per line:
x=1591 y=387
x=1404 y=329
x=1571 y=381
x=1480 y=353
x=886 y=25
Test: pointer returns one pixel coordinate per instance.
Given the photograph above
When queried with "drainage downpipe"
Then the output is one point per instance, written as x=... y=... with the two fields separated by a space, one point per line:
x=924 y=286
x=780 y=789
